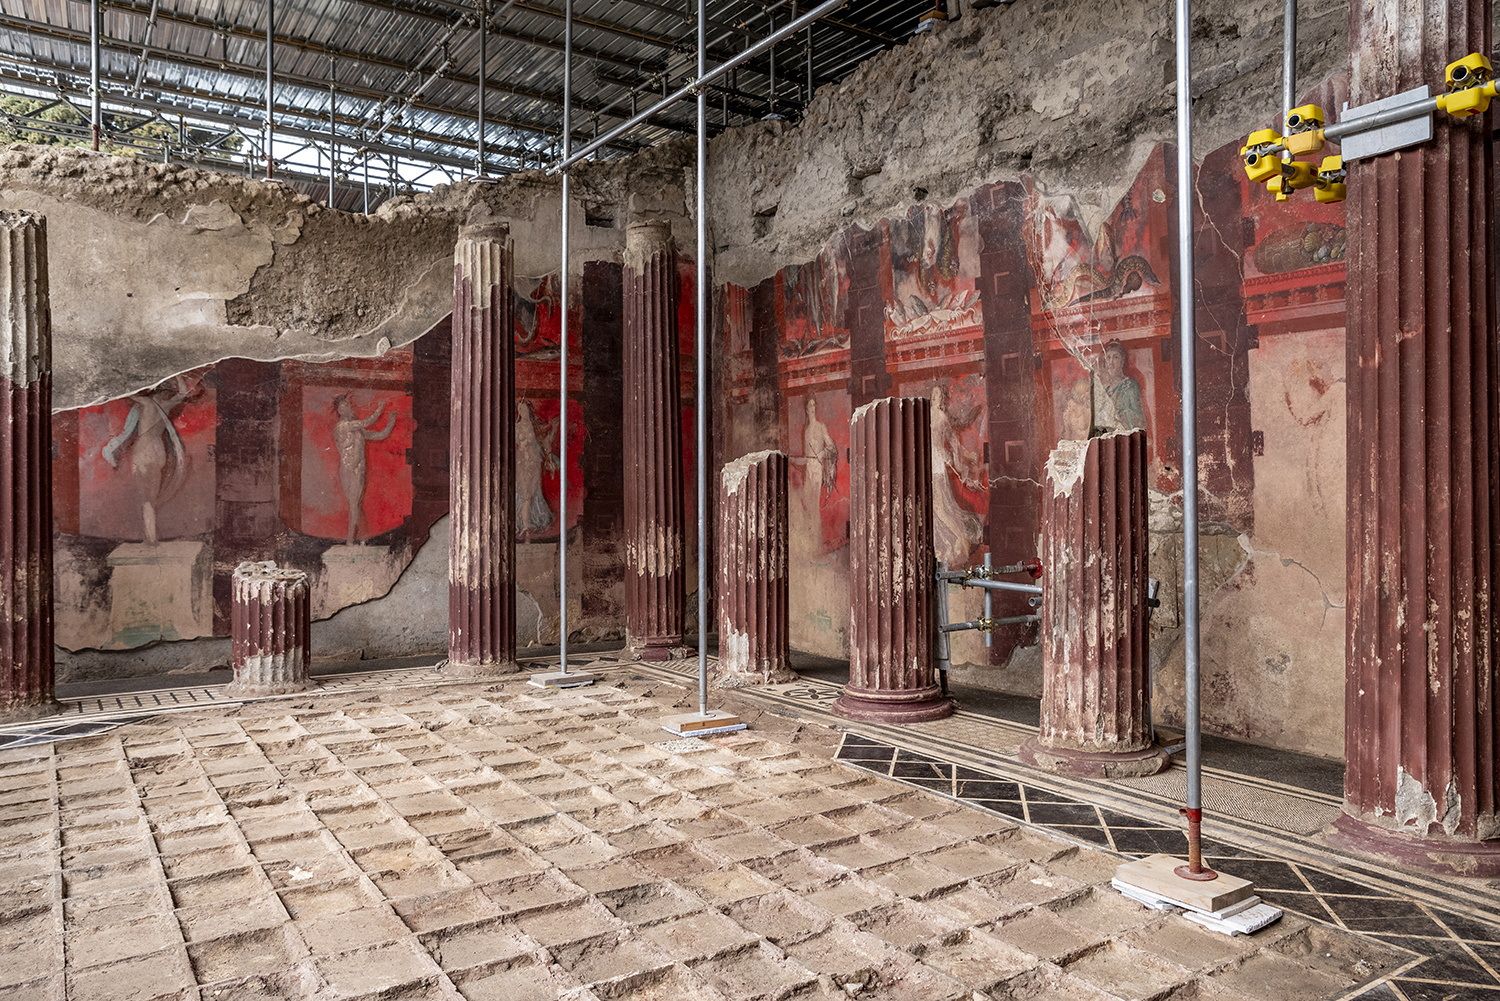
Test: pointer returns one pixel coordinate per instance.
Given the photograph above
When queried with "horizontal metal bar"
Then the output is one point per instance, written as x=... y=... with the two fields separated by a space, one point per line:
x=790 y=28
x=1380 y=119
x=1000 y=585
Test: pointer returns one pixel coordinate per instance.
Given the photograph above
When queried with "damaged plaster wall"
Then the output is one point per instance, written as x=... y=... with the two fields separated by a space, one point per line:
x=160 y=271
x=1040 y=127
x=1072 y=94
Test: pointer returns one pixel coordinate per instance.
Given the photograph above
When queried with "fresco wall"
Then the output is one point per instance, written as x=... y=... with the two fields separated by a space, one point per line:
x=1025 y=327
x=338 y=468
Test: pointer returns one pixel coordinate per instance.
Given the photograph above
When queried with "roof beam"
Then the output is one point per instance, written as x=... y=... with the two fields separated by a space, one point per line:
x=150 y=13
x=253 y=124
x=257 y=72
x=504 y=34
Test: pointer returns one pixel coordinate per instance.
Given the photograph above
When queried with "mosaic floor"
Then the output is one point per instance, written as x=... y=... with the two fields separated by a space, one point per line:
x=498 y=842
x=1439 y=938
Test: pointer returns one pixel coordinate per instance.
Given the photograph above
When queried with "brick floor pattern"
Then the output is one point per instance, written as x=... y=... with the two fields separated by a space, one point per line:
x=493 y=842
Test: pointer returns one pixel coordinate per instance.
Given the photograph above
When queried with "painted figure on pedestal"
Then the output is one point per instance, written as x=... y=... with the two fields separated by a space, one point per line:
x=158 y=461
x=350 y=435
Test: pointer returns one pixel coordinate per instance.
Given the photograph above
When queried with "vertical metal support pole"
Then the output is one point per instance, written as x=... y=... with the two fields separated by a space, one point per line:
x=1187 y=330
x=484 y=73
x=270 y=86
x=809 y=66
x=771 y=56
x=562 y=374
x=333 y=136
x=700 y=361
x=367 y=182
x=96 y=118
x=989 y=602
x=1288 y=59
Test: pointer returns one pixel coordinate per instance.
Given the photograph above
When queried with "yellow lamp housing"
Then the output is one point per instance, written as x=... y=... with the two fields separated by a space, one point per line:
x=1330 y=186
x=1471 y=86
x=1304 y=129
x=1260 y=154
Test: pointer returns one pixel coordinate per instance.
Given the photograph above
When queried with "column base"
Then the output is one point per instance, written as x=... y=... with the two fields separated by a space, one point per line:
x=749 y=679
x=26 y=712
x=658 y=650
x=1094 y=764
x=1446 y=856
x=486 y=669
x=238 y=691
x=869 y=706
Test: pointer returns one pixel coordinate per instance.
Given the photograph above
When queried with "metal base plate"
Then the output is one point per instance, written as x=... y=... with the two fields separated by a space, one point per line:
x=702 y=724
x=1386 y=138
x=557 y=679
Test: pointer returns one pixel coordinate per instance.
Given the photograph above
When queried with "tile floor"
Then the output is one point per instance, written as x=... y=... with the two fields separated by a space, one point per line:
x=496 y=842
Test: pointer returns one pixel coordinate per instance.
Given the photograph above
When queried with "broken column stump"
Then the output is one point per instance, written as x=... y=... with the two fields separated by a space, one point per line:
x=270 y=624
x=26 y=670
x=1096 y=684
x=1421 y=685
x=654 y=576
x=892 y=567
x=752 y=597
x=481 y=444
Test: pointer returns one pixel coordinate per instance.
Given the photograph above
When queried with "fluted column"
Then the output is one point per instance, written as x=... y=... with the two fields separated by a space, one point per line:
x=653 y=445
x=482 y=438
x=891 y=566
x=752 y=596
x=1096 y=687
x=270 y=630
x=26 y=675
x=1421 y=719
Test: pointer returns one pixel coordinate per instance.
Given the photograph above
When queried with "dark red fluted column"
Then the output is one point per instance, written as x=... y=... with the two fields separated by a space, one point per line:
x=653 y=445
x=26 y=675
x=752 y=596
x=270 y=630
x=482 y=439
x=1420 y=716
x=1096 y=685
x=891 y=566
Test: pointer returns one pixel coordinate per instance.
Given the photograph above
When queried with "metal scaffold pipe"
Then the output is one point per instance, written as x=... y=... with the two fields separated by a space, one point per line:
x=270 y=86
x=333 y=136
x=700 y=360
x=1288 y=58
x=484 y=75
x=562 y=374
x=1187 y=331
x=704 y=78
x=96 y=118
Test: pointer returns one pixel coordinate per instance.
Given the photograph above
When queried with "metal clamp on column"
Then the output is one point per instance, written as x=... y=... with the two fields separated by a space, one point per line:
x=1379 y=127
x=984 y=577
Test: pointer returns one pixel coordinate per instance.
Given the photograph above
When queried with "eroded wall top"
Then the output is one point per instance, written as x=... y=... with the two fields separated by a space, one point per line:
x=161 y=268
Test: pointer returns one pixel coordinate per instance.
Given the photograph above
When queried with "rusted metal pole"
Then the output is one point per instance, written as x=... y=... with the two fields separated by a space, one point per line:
x=1187 y=352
